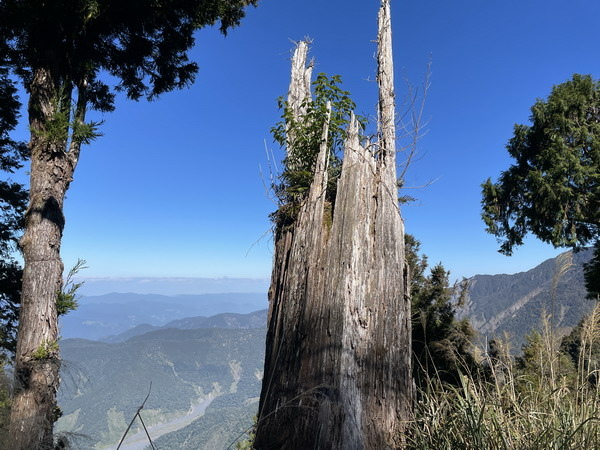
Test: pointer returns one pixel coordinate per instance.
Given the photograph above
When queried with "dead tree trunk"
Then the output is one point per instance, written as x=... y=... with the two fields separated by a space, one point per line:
x=338 y=361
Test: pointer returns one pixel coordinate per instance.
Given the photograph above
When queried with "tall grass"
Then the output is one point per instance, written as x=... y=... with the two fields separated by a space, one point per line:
x=540 y=401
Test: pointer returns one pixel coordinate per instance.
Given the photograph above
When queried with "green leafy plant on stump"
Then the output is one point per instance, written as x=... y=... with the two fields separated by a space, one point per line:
x=303 y=137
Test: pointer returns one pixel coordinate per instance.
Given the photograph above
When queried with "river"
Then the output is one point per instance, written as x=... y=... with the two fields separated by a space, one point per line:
x=139 y=440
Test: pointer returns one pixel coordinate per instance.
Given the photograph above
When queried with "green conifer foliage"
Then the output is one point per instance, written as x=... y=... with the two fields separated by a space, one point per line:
x=72 y=57
x=13 y=201
x=441 y=344
x=553 y=188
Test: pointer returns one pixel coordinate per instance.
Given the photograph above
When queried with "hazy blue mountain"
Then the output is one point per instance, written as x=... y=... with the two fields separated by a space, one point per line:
x=213 y=371
x=172 y=285
x=135 y=331
x=257 y=319
x=112 y=314
x=206 y=367
x=515 y=303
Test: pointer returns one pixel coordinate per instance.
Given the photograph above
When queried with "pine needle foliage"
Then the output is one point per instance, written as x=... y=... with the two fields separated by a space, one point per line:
x=5 y=401
x=441 y=344
x=553 y=187
x=13 y=202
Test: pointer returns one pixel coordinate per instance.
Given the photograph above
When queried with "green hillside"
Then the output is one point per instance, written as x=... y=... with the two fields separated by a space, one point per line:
x=515 y=303
x=256 y=319
x=106 y=315
x=206 y=381
x=225 y=421
x=103 y=384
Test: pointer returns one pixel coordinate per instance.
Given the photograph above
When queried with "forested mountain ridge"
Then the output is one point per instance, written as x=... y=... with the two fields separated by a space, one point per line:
x=219 y=360
x=101 y=316
x=514 y=303
x=190 y=370
x=257 y=319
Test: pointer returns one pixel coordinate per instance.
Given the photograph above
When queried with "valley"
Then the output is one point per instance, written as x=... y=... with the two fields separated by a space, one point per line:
x=206 y=370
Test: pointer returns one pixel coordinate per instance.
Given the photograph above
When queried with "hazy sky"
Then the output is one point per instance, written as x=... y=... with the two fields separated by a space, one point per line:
x=174 y=188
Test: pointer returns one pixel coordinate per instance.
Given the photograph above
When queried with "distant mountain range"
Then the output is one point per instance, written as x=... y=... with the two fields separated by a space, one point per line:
x=205 y=383
x=111 y=314
x=205 y=362
x=171 y=285
x=257 y=319
x=515 y=303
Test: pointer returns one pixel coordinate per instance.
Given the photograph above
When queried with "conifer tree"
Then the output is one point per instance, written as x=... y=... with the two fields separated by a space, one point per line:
x=441 y=344
x=553 y=188
x=13 y=201
x=62 y=51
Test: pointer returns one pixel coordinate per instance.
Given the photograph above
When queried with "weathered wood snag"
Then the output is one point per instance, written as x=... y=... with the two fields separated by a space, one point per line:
x=337 y=369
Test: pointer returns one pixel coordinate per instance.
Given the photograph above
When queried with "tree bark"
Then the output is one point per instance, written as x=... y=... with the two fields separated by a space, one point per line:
x=37 y=360
x=338 y=361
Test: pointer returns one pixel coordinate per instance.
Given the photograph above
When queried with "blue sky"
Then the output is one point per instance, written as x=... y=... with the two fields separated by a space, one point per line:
x=174 y=189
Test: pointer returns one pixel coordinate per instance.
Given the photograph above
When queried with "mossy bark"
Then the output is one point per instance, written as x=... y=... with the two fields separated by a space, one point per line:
x=37 y=361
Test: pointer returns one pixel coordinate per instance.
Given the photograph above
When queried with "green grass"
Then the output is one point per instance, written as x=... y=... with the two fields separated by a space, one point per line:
x=542 y=400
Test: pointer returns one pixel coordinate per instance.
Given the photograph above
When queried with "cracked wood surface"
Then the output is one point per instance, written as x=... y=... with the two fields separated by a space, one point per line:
x=337 y=370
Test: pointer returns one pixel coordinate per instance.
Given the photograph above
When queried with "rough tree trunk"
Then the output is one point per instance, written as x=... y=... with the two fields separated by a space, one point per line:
x=337 y=369
x=37 y=359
